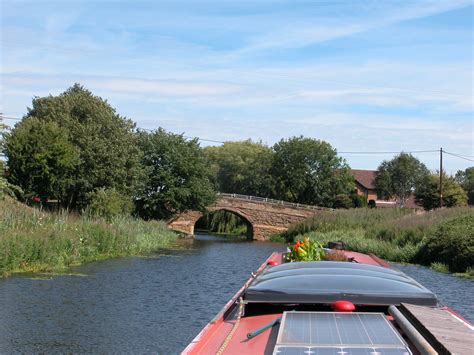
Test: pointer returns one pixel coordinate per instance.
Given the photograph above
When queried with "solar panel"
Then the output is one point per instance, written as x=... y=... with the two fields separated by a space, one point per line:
x=296 y=350
x=325 y=333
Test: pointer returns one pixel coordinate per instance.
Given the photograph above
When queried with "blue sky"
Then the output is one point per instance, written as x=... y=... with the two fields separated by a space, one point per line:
x=362 y=75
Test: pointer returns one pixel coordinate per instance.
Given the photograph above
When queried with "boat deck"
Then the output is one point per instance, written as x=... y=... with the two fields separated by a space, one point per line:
x=450 y=334
x=239 y=343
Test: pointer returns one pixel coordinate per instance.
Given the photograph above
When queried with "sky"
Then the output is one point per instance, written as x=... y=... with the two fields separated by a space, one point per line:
x=365 y=76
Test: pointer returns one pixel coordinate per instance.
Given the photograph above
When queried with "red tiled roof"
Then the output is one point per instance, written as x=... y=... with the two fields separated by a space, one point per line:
x=365 y=178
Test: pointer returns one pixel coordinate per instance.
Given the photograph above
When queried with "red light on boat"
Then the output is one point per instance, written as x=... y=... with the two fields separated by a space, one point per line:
x=272 y=263
x=343 y=306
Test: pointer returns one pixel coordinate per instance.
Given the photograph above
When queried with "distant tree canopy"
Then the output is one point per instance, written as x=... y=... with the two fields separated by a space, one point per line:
x=400 y=177
x=177 y=175
x=76 y=148
x=428 y=193
x=298 y=169
x=309 y=171
x=69 y=145
x=242 y=167
x=466 y=180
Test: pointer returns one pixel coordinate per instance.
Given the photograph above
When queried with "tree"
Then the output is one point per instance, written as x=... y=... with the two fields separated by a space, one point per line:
x=91 y=144
x=427 y=194
x=242 y=168
x=177 y=175
x=466 y=180
x=309 y=171
x=400 y=177
x=42 y=160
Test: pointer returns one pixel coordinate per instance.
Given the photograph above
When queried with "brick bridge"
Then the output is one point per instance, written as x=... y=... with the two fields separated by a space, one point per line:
x=263 y=216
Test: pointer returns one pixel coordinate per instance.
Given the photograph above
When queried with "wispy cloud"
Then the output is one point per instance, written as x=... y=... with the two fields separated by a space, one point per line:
x=305 y=33
x=372 y=75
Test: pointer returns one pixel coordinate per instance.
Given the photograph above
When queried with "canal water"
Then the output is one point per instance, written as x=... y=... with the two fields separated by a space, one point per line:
x=153 y=304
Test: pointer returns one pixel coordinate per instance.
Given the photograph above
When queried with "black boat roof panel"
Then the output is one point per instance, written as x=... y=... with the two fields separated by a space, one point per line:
x=329 y=281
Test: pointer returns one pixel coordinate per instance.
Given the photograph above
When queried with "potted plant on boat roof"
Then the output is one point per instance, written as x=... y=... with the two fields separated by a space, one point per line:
x=310 y=250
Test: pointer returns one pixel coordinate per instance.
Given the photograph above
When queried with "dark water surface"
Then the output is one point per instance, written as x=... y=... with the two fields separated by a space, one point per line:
x=150 y=305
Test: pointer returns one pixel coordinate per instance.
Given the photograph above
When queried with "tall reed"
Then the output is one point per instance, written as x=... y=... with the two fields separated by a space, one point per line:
x=396 y=234
x=33 y=240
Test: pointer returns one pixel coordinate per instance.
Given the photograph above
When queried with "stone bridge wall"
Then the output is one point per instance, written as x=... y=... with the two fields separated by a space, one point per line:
x=263 y=218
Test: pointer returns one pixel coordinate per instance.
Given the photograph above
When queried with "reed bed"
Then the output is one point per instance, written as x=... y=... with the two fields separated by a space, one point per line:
x=442 y=236
x=32 y=240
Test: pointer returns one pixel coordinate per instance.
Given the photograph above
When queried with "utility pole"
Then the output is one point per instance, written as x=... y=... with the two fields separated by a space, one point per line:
x=440 y=177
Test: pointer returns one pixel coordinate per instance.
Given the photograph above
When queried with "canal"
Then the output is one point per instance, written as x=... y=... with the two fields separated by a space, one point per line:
x=154 y=304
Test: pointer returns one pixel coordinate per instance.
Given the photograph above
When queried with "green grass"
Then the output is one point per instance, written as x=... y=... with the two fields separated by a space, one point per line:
x=32 y=240
x=440 y=267
x=443 y=236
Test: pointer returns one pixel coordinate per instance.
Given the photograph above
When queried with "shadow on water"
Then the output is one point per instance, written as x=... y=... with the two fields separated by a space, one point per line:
x=154 y=304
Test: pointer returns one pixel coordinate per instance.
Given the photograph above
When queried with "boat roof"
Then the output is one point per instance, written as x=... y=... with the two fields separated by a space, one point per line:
x=329 y=281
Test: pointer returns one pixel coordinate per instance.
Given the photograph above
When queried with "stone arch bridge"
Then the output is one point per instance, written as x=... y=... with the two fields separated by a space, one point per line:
x=263 y=216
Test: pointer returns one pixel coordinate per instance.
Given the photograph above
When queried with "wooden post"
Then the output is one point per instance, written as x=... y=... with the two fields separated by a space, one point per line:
x=440 y=177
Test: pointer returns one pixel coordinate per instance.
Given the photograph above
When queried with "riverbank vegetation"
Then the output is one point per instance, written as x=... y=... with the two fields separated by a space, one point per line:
x=444 y=236
x=34 y=240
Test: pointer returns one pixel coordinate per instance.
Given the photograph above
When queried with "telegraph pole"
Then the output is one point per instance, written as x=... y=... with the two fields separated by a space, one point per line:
x=440 y=177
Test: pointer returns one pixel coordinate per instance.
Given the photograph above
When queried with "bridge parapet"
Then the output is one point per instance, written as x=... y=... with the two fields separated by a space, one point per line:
x=272 y=201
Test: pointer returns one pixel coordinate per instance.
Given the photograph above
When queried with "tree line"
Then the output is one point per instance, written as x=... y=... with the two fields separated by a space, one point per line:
x=76 y=150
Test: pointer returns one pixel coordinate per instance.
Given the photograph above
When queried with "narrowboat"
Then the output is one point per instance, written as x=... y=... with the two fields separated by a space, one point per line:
x=363 y=306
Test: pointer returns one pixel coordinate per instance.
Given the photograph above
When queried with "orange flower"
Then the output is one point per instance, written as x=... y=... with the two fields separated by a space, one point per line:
x=297 y=245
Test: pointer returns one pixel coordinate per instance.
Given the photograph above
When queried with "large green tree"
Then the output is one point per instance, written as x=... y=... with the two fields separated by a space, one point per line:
x=466 y=180
x=242 y=168
x=309 y=171
x=400 y=177
x=427 y=194
x=178 y=176
x=73 y=144
x=41 y=158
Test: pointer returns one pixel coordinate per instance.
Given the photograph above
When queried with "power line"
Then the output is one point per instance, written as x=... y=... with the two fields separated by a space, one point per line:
x=465 y=155
x=392 y=152
x=458 y=156
x=187 y=137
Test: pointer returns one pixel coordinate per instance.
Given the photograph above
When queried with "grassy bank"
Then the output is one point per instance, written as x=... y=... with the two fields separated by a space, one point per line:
x=32 y=240
x=444 y=238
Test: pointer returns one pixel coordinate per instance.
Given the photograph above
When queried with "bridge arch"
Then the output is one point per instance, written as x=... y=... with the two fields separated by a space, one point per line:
x=248 y=222
x=264 y=216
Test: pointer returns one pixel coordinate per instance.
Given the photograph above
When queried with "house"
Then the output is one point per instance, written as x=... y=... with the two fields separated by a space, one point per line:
x=365 y=186
x=365 y=183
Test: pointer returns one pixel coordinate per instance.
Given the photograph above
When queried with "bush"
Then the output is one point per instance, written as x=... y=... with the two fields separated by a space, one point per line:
x=108 y=203
x=342 y=201
x=359 y=201
x=452 y=244
x=8 y=189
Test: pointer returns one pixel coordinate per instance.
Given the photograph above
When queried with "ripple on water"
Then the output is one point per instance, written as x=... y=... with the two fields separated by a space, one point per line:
x=150 y=305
